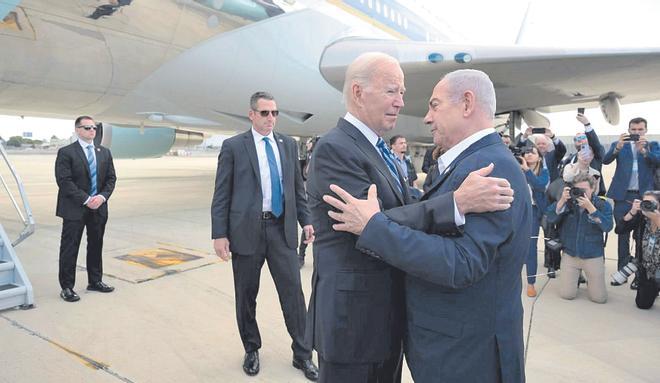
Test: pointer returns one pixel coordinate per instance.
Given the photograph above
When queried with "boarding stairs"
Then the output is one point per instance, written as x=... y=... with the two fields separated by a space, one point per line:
x=15 y=287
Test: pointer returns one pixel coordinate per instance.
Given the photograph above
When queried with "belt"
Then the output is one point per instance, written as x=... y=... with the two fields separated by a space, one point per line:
x=633 y=191
x=268 y=215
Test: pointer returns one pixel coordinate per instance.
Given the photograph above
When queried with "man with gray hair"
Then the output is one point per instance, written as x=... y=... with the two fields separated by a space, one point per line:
x=464 y=312
x=356 y=313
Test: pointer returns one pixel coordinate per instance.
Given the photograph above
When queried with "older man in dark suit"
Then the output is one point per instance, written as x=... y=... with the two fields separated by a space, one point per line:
x=86 y=177
x=356 y=315
x=462 y=292
x=264 y=164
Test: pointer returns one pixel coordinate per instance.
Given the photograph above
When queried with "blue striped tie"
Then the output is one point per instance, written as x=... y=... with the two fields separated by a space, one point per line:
x=91 y=162
x=275 y=187
x=389 y=160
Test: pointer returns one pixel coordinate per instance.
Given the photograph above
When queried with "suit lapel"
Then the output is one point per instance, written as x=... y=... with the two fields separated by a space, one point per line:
x=365 y=146
x=284 y=160
x=485 y=141
x=248 y=141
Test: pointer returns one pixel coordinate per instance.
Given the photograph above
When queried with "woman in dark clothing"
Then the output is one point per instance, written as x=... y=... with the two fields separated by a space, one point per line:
x=646 y=231
x=304 y=167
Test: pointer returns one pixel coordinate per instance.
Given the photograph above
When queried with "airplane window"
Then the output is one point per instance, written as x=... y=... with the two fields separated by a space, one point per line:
x=392 y=17
x=386 y=10
x=398 y=18
x=405 y=23
x=371 y=4
x=377 y=6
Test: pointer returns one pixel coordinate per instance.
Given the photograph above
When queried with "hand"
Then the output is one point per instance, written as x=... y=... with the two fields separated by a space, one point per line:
x=528 y=132
x=642 y=144
x=583 y=119
x=565 y=195
x=523 y=164
x=622 y=137
x=635 y=207
x=309 y=234
x=354 y=214
x=479 y=193
x=586 y=204
x=95 y=202
x=221 y=247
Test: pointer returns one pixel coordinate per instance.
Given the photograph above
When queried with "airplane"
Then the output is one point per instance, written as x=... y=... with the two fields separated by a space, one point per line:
x=162 y=72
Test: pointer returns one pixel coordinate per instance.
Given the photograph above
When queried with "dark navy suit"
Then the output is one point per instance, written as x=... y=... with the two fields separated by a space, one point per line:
x=464 y=312
x=620 y=182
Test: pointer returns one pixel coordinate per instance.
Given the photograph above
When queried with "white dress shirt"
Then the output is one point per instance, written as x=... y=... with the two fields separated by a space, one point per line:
x=450 y=155
x=264 y=169
x=84 y=146
x=369 y=134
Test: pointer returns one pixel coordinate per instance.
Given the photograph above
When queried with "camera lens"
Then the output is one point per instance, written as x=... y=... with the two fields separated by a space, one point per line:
x=648 y=205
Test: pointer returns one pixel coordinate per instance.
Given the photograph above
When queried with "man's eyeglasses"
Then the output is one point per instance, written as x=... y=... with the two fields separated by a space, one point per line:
x=264 y=113
x=88 y=127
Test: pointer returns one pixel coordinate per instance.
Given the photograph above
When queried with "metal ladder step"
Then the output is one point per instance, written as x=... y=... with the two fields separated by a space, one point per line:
x=11 y=295
x=6 y=265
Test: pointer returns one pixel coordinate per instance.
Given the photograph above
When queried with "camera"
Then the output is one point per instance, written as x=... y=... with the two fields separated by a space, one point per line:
x=580 y=110
x=621 y=275
x=538 y=130
x=632 y=137
x=576 y=193
x=648 y=205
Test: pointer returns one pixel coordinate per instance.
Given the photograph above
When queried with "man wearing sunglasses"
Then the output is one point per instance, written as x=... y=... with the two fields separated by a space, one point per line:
x=85 y=177
x=264 y=164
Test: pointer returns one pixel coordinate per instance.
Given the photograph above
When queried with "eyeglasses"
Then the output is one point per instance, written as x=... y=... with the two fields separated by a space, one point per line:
x=88 y=127
x=265 y=113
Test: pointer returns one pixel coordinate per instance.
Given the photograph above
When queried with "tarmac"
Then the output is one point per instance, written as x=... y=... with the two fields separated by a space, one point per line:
x=172 y=317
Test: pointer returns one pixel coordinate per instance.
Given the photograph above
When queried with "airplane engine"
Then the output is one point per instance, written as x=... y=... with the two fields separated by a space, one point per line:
x=148 y=142
x=609 y=106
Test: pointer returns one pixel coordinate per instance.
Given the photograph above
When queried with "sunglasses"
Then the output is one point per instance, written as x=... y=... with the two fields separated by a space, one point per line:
x=265 y=113
x=88 y=127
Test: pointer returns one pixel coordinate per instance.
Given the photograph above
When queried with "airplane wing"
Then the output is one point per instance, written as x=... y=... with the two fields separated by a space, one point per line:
x=525 y=78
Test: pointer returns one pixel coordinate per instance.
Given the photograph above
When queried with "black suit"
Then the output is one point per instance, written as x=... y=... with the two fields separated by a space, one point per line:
x=356 y=312
x=236 y=214
x=73 y=179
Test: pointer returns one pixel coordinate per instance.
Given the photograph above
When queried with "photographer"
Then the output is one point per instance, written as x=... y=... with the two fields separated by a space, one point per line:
x=537 y=177
x=589 y=138
x=646 y=231
x=636 y=161
x=582 y=219
x=551 y=148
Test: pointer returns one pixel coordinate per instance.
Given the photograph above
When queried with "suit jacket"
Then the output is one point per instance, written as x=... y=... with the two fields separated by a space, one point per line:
x=623 y=172
x=356 y=310
x=462 y=293
x=236 y=207
x=73 y=180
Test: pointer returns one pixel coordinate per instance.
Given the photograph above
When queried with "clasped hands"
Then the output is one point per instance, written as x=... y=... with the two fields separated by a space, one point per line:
x=477 y=194
x=95 y=202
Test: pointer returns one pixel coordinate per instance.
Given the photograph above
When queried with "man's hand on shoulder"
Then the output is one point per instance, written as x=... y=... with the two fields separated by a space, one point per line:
x=221 y=247
x=309 y=234
x=479 y=193
x=354 y=214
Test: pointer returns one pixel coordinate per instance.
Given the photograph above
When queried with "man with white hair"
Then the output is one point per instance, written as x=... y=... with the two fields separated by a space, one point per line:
x=551 y=148
x=464 y=312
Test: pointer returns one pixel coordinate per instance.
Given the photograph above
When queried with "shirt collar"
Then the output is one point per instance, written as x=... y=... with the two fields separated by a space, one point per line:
x=258 y=137
x=369 y=134
x=450 y=155
x=84 y=144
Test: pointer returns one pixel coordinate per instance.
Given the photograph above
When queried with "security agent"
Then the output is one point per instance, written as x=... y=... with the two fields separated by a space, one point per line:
x=85 y=177
x=264 y=163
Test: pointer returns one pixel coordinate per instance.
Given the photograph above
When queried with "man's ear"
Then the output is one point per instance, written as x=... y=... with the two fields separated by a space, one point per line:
x=468 y=103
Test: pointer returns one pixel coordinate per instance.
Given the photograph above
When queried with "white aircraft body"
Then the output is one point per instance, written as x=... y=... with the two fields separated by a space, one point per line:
x=177 y=67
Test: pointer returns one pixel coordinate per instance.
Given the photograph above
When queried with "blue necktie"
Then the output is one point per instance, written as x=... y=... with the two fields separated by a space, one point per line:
x=275 y=187
x=91 y=162
x=389 y=160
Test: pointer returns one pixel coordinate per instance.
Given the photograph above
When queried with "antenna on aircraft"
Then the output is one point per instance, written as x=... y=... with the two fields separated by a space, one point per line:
x=523 y=24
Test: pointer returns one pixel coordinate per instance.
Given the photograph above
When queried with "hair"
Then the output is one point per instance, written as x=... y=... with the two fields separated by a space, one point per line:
x=261 y=95
x=362 y=70
x=478 y=82
x=638 y=120
x=539 y=164
x=585 y=177
x=79 y=120
x=395 y=138
x=654 y=193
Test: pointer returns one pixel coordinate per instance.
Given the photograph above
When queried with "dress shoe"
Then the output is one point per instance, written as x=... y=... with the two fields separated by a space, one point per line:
x=615 y=283
x=100 y=287
x=531 y=291
x=308 y=368
x=634 y=285
x=552 y=273
x=69 y=295
x=251 y=363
